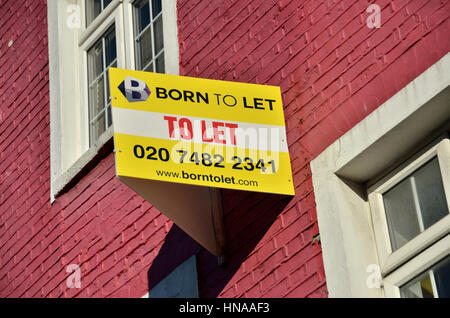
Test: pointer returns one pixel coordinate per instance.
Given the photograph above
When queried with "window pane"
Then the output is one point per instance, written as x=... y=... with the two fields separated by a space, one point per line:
x=401 y=214
x=148 y=68
x=108 y=94
x=149 y=35
x=158 y=33
x=98 y=127
x=160 y=64
x=97 y=97
x=182 y=282
x=415 y=204
x=156 y=6
x=441 y=273
x=110 y=43
x=435 y=282
x=100 y=57
x=142 y=15
x=430 y=190
x=145 y=48
x=95 y=60
x=93 y=9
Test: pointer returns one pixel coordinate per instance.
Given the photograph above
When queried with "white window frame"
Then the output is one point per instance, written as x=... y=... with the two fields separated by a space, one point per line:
x=112 y=15
x=388 y=259
x=391 y=134
x=70 y=152
x=151 y=26
x=392 y=262
x=416 y=266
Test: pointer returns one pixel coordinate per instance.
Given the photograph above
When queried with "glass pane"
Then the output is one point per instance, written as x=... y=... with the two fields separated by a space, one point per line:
x=430 y=191
x=142 y=15
x=441 y=273
x=420 y=288
x=110 y=47
x=435 y=282
x=415 y=204
x=98 y=127
x=160 y=64
x=156 y=6
x=149 y=68
x=145 y=48
x=97 y=97
x=105 y=3
x=401 y=214
x=93 y=9
x=100 y=53
x=158 y=32
x=95 y=61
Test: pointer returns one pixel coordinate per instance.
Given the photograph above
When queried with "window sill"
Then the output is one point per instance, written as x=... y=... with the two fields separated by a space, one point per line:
x=102 y=148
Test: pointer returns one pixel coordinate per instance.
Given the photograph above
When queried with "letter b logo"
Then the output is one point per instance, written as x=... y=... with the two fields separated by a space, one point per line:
x=134 y=90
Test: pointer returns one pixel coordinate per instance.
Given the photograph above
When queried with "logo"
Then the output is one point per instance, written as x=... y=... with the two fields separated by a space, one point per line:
x=134 y=90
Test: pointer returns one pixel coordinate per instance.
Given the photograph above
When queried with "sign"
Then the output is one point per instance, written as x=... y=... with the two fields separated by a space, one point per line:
x=200 y=132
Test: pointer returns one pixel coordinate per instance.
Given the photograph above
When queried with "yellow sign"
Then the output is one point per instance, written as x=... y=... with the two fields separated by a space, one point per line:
x=200 y=132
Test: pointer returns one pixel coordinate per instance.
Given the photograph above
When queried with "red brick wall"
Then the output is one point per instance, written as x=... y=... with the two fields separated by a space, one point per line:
x=333 y=71
x=24 y=145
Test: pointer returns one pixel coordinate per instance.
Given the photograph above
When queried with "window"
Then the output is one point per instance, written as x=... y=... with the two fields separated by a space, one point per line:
x=149 y=37
x=433 y=283
x=131 y=34
x=94 y=8
x=182 y=282
x=100 y=57
x=101 y=45
x=410 y=212
x=415 y=203
x=149 y=47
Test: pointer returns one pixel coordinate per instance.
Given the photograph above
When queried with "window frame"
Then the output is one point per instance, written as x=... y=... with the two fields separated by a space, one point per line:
x=71 y=154
x=416 y=266
x=390 y=260
x=104 y=75
x=122 y=13
x=112 y=15
x=137 y=34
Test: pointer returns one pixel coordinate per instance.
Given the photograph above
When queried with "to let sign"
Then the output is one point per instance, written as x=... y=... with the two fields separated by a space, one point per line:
x=200 y=132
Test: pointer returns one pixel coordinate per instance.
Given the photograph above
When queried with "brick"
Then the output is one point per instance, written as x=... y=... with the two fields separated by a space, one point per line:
x=333 y=71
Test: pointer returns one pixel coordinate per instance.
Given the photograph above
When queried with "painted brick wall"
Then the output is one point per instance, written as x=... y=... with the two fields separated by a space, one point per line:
x=333 y=71
x=24 y=142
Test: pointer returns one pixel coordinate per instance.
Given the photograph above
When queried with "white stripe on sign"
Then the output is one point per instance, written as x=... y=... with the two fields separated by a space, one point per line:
x=199 y=130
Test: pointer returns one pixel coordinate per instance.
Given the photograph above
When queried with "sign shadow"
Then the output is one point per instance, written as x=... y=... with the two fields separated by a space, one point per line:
x=247 y=218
